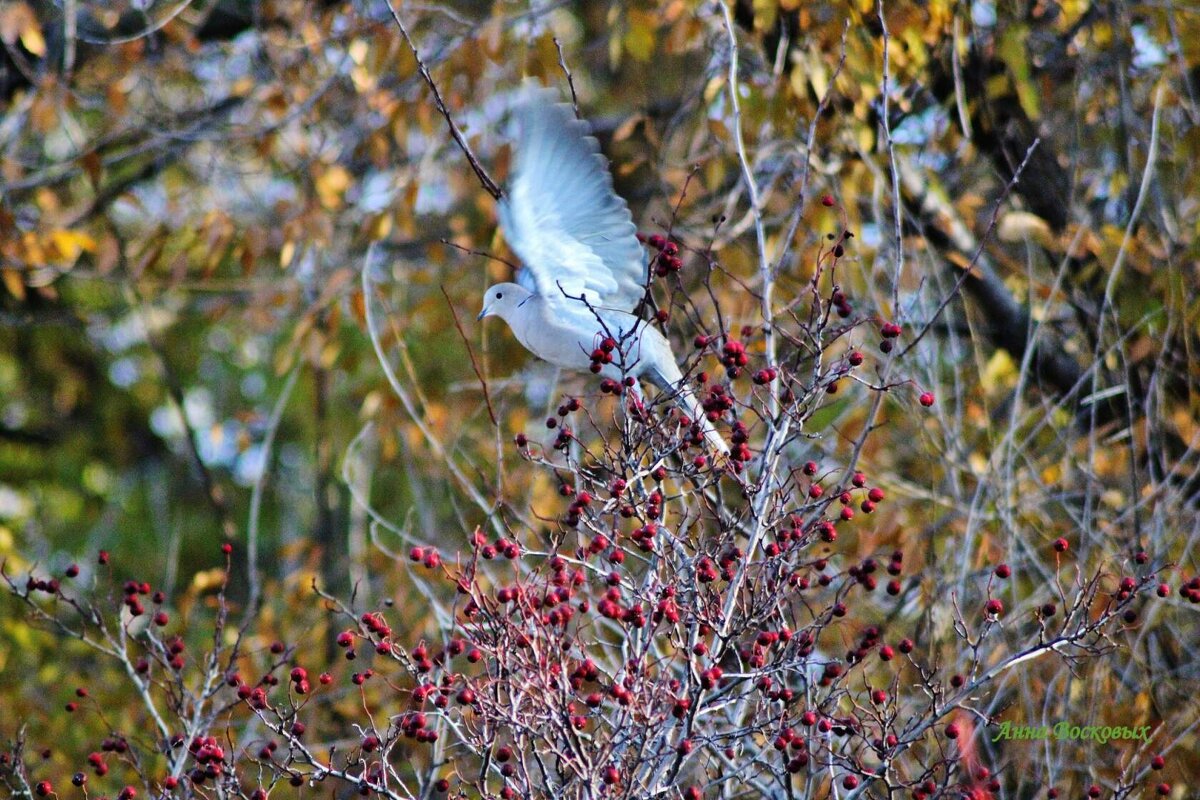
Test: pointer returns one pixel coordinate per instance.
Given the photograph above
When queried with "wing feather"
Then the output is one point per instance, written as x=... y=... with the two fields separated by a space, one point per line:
x=573 y=233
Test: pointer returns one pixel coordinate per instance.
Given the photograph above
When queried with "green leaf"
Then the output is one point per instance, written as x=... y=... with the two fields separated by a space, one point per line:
x=1013 y=52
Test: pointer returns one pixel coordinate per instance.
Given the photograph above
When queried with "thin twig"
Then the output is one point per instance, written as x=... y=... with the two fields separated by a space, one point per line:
x=798 y=212
x=884 y=89
x=764 y=264
x=487 y=398
x=966 y=272
x=482 y=253
x=488 y=184
x=562 y=62
x=435 y=444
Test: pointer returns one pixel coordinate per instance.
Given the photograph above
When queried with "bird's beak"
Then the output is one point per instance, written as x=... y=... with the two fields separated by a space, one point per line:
x=483 y=313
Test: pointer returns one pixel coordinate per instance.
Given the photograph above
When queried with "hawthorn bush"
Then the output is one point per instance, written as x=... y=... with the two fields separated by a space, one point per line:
x=688 y=625
x=938 y=518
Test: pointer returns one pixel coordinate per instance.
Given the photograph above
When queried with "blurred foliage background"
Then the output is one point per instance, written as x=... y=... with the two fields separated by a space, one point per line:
x=189 y=189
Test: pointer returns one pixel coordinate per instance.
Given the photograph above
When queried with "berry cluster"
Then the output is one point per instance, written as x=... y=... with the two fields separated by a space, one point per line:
x=602 y=354
x=734 y=357
x=667 y=261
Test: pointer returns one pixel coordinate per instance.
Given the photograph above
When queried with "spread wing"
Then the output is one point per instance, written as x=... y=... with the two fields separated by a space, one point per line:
x=574 y=235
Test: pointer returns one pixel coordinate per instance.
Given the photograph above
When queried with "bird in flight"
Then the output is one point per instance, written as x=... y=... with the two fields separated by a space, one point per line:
x=584 y=273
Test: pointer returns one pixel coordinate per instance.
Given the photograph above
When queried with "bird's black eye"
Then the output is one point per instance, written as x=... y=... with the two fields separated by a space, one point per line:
x=499 y=295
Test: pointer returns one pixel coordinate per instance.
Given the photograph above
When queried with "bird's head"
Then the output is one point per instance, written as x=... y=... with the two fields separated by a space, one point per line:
x=503 y=299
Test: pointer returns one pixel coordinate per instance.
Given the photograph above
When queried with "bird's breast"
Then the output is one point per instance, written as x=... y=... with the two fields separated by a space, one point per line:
x=567 y=339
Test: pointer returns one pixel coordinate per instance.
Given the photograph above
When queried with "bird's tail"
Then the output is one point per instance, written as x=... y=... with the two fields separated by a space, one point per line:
x=687 y=400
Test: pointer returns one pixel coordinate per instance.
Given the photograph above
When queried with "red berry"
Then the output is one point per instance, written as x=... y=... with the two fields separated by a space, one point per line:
x=952 y=730
x=1060 y=545
x=926 y=399
x=828 y=201
x=44 y=788
x=227 y=548
x=994 y=607
x=1003 y=571
x=850 y=782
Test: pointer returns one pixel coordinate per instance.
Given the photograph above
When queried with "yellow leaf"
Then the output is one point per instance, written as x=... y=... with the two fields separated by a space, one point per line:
x=363 y=79
x=625 y=129
x=31 y=37
x=1017 y=226
x=208 y=579
x=999 y=371
x=818 y=74
x=12 y=282
x=70 y=244
x=331 y=184
x=34 y=254
x=381 y=227
x=1014 y=54
x=614 y=50
x=765 y=14
x=242 y=86
x=639 y=42
x=712 y=87
x=714 y=174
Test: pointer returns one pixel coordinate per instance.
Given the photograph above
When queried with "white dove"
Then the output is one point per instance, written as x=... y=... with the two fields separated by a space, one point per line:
x=584 y=271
